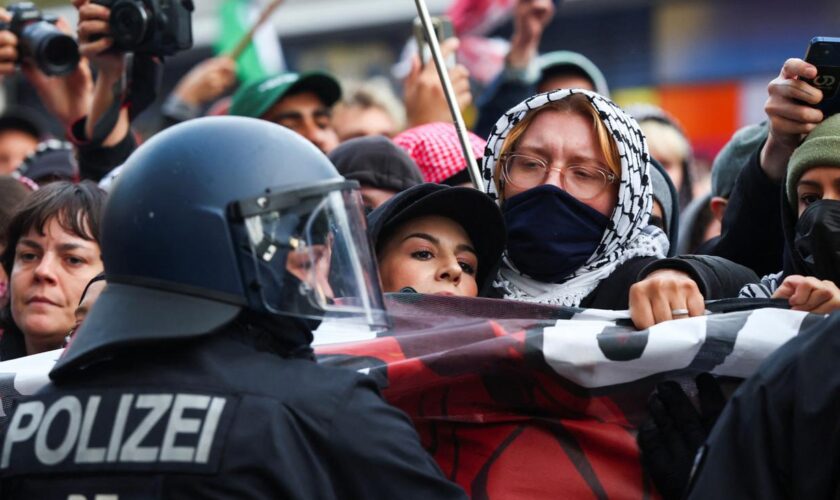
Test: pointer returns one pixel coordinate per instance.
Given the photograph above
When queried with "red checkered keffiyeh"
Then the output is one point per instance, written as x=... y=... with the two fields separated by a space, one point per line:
x=436 y=149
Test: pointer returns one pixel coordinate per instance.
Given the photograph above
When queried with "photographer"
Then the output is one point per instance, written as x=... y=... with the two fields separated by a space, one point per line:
x=103 y=153
x=95 y=41
x=73 y=98
x=66 y=96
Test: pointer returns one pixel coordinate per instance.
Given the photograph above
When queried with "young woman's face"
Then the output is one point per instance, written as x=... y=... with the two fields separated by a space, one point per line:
x=50 y=272
x=562 y=139
x=432 y=255
x=818 y=183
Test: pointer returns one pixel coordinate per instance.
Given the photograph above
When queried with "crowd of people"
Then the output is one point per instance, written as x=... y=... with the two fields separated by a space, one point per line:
x=216 y=246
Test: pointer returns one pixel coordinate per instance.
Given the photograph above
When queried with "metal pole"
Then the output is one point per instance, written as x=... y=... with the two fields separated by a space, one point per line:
x=460 y=128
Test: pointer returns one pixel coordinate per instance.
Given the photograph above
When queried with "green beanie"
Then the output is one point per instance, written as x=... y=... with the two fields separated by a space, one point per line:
x=820 y=149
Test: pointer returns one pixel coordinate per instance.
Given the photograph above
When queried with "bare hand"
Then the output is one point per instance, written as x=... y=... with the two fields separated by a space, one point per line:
x=807 y=293
x=423 y=94
x=94 y=42
x=654 y=299
x=207 y=81
x=530 y=17
x=67 y=97
x=95 y=38
x=8 y=47
x=791 y=115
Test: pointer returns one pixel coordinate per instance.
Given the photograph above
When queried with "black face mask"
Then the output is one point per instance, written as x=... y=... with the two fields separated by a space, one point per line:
x=817 y=240
x=551 y=233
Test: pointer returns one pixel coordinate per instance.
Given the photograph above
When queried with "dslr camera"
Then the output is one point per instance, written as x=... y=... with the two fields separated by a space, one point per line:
x=40 y=42
x=154 y=27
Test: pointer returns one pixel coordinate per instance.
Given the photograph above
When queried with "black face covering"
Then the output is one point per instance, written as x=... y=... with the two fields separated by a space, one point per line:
x=551 y=233
x=817 y=240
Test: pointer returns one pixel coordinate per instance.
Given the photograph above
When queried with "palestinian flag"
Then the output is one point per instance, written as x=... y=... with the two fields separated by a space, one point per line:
x=263 y=56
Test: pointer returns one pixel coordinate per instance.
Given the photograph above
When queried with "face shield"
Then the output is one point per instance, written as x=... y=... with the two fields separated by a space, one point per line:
x=306 y=254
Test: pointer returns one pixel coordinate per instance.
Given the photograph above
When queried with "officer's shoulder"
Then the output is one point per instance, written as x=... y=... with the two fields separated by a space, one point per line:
x=292 y=380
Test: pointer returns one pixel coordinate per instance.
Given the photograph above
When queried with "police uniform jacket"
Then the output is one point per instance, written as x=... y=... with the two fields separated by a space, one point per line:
x=220 y=416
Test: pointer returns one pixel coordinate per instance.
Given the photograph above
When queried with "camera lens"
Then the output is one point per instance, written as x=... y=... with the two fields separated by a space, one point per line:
x=60 y=54
x=54 y=52
x=129 y=23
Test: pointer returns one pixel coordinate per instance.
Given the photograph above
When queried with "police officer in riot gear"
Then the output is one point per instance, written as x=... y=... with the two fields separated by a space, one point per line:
x=225 y=240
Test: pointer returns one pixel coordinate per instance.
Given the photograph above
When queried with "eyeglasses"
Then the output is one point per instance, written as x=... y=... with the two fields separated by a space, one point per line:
x=584 y=182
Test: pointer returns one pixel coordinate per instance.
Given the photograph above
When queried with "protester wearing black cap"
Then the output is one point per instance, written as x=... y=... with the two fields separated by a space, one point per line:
x=301 y=102
x=437 y=239
x=381 y=168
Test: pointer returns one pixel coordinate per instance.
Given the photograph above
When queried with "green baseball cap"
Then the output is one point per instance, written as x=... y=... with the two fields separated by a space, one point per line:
x=255 y=98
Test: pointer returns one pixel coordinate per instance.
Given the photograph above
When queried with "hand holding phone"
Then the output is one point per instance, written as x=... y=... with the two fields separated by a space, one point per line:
x=824 y=53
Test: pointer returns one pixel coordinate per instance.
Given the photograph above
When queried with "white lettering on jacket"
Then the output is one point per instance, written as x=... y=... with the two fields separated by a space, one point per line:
x=52 y=432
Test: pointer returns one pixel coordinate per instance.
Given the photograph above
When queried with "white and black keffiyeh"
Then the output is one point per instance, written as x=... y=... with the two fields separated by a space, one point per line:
x=627 y=235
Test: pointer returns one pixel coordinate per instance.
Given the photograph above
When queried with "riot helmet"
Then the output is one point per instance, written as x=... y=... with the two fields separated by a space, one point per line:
x=221 y=214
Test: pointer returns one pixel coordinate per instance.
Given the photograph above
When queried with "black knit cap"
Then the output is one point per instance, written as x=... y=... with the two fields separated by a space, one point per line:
x=473 y=210
x=24 y=119
x=377 y=162
x=53 y=160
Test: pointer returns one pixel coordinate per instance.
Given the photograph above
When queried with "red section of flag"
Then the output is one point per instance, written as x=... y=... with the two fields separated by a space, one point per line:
x=498 y=420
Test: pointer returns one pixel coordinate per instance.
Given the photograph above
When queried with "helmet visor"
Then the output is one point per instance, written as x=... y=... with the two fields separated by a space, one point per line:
x=311 y=254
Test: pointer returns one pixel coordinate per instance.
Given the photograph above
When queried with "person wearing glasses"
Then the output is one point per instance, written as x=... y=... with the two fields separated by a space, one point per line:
x=570 y=171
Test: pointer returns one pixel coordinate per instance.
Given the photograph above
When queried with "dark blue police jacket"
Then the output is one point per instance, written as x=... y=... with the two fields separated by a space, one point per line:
x=213 y=417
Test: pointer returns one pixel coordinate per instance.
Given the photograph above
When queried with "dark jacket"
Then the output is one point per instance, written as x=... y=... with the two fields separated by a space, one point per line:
x=502 y=94
x=777 y=437
x=220 y=416
x=751 y=233
x=96 y=161
x=715 y=277
x=12 y=345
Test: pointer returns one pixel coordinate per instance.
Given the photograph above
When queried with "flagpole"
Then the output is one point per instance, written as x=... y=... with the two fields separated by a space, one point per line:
x=443 y=74
x=243 y=42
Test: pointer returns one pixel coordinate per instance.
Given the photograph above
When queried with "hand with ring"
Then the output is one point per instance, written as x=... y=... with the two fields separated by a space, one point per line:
x=664 y=295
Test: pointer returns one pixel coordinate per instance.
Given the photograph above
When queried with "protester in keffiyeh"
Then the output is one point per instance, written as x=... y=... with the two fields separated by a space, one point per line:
x=580 y=237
